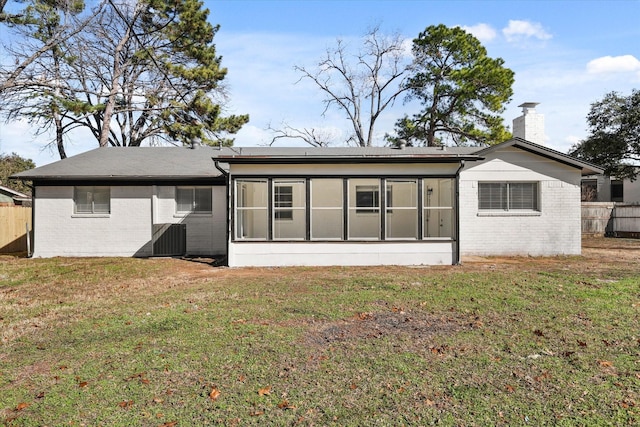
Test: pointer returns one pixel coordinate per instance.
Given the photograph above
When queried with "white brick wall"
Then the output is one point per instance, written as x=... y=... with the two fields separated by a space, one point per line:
x=126 y=231
x=555 y=230
x=206 y=233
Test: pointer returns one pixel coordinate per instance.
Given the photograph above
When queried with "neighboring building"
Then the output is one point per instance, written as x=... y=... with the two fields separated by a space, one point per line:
x=311 y=206
x=9 y=197
x=602 y=188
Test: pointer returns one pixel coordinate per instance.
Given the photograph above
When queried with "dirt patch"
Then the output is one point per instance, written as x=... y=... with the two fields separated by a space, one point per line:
x=417 y=328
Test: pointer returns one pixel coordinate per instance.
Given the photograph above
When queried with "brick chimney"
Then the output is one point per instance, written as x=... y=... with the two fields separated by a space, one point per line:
x=530 y=125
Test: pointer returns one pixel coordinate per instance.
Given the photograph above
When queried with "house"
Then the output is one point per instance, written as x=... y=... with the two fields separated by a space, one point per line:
x=604 y=188
x=10 y=197
x=274 y=206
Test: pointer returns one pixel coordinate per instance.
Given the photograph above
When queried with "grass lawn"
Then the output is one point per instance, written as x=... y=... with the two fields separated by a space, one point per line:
x=167 y=342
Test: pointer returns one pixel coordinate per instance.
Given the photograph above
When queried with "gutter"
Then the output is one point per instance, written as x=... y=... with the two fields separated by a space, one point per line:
x=216 y=163
x=273 y=160
x=227 y=180
x=456 y=260
x=30 y=245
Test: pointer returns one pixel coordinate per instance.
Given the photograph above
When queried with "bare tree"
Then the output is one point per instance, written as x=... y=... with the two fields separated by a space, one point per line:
x=55 y=32
x=312 y=136
x=361 y=85
x=34 y=87
x=129 y=71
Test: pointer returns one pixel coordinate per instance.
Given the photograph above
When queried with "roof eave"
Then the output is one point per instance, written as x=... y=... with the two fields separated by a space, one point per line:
x=241 y=159
x=145 y=178
x=586 y=168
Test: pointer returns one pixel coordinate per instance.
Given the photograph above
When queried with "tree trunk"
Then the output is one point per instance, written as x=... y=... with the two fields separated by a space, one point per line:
x=59 y=135
x=115 y=88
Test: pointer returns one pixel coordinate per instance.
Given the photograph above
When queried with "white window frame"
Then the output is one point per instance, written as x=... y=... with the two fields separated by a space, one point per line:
x=506 y=202
x=195 y=210
x=93 y=191
x=282 y=206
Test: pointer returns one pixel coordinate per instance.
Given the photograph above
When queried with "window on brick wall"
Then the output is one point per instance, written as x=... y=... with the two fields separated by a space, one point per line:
x=508 y=196
x=193 y=200
x=92 y=200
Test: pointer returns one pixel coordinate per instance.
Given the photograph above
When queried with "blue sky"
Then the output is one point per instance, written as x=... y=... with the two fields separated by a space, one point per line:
x=565 y=55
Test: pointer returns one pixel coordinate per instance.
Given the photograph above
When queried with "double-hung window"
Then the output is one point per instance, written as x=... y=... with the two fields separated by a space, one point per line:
x=92 y=200
x=508 y=196
x=193 y=200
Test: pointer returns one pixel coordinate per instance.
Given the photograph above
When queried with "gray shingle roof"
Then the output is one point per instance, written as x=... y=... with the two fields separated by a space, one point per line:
x=180 y=163
x=146 y=163
x=131 y=163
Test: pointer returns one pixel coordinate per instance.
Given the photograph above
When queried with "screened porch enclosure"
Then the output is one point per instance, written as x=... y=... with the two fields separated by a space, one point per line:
x=343 y=209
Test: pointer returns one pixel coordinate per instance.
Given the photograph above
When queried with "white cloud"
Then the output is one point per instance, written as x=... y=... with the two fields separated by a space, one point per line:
x=613 y=64
x=407 y=48
x=519 y=30
x=483 y=32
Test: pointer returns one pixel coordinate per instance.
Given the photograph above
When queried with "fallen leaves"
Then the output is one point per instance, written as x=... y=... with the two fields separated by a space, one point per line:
x=22 y=405
x=126 y=404
x=264 y=391
x=364 y=316
x=543 y=376
x=605 y=363
x=140 y=376
x=285 y=405
x=215 y=393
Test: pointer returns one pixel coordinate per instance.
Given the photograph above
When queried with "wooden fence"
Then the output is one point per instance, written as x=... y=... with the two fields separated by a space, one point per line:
x=626 y=221
x=14 y=221
x=611 y=219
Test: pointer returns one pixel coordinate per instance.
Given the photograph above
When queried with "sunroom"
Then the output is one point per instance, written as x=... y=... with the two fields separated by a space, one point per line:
x=292 y=209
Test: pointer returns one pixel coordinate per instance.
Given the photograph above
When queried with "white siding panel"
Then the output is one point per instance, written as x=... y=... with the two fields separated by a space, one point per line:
x=258 y=254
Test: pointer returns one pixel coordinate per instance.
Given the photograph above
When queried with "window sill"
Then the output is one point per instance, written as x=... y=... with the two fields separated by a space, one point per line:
x=190 y=214
x=89 y=215
x=509 y=213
